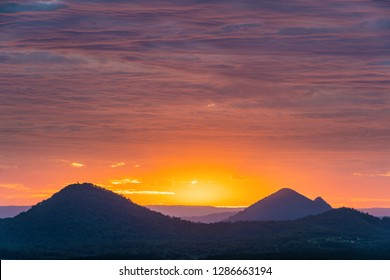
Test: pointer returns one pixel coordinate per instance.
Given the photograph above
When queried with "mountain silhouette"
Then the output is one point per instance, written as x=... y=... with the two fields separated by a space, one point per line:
x=87 y=213
x=285 y=204
x=83 y=221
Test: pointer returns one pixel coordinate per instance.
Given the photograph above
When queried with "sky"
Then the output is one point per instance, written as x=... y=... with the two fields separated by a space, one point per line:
x=196 y=102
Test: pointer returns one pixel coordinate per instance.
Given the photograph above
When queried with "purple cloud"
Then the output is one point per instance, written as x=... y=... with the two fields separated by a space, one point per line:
x=286 y=72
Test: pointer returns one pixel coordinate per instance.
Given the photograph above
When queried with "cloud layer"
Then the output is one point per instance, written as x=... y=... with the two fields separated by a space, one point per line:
x=301 y=73
x=134 y=79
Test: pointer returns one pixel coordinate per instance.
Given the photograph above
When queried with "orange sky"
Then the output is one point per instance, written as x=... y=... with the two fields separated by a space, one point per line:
x=200 y=178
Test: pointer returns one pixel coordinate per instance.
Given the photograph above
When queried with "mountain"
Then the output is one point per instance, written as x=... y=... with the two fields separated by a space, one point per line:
x=12 y=211
x=285 y=204
x=85 y=213
x=83 y=221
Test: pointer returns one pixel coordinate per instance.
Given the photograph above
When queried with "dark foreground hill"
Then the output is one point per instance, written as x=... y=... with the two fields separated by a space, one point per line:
x=285 y=204
x=87 y=222
x=84 y=216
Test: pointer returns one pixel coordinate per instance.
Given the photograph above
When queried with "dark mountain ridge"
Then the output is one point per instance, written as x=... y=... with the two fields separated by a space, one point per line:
x=285 y=204
x=83 y=221
x=89 y=213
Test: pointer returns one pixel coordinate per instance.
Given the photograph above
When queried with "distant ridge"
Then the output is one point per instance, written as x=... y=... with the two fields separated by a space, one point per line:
x=285 y=204
x=12 y=211
x=189 y=212
x=378 y=211
x=210 y=218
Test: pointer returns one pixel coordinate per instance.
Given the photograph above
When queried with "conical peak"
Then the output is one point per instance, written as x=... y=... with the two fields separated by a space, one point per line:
x=321 y=203
x=285 y=204
x=286 y=191
x=319 y=199
x=84 y=188
x=87 y=193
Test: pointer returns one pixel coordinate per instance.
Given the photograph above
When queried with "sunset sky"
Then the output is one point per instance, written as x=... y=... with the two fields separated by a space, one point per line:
x=196 y=102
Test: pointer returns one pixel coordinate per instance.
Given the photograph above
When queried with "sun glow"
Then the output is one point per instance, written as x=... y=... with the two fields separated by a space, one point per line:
x=196 y=184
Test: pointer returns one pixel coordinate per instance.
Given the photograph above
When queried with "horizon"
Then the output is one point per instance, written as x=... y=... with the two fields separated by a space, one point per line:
x=189 y=206
x=199 y=103
x=195 y=213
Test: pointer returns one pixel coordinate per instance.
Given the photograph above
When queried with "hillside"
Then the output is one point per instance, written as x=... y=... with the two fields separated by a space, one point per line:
x=85 y=214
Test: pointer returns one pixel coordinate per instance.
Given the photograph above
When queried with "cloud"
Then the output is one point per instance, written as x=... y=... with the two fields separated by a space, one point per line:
x=4 y=167
x=128 y=192
x=13 y=186
x=77 y=164
x=125 y=181
x=38 y=6
x=370 y=199
x=118 y=164
x=42 y=57
x=261 y=73
x=386 y=174
x=70 y=163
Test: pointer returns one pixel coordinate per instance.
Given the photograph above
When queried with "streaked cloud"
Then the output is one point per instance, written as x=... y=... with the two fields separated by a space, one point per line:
x=30 y=6
x=4 y=167
x=376 y=200
x=118 y=164
x=128 y=192
x=77 y=164
x=154 y=82
x=386 y=174
x=125 y=181
x=165 y=59
x=13 y=186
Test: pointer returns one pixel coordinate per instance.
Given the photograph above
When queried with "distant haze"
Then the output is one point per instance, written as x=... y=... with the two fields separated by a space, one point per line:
x=379 y=212
x=191 y=211
x=12 y=211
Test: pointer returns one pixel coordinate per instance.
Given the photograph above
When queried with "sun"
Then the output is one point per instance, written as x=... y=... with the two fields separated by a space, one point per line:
x=187 y=184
